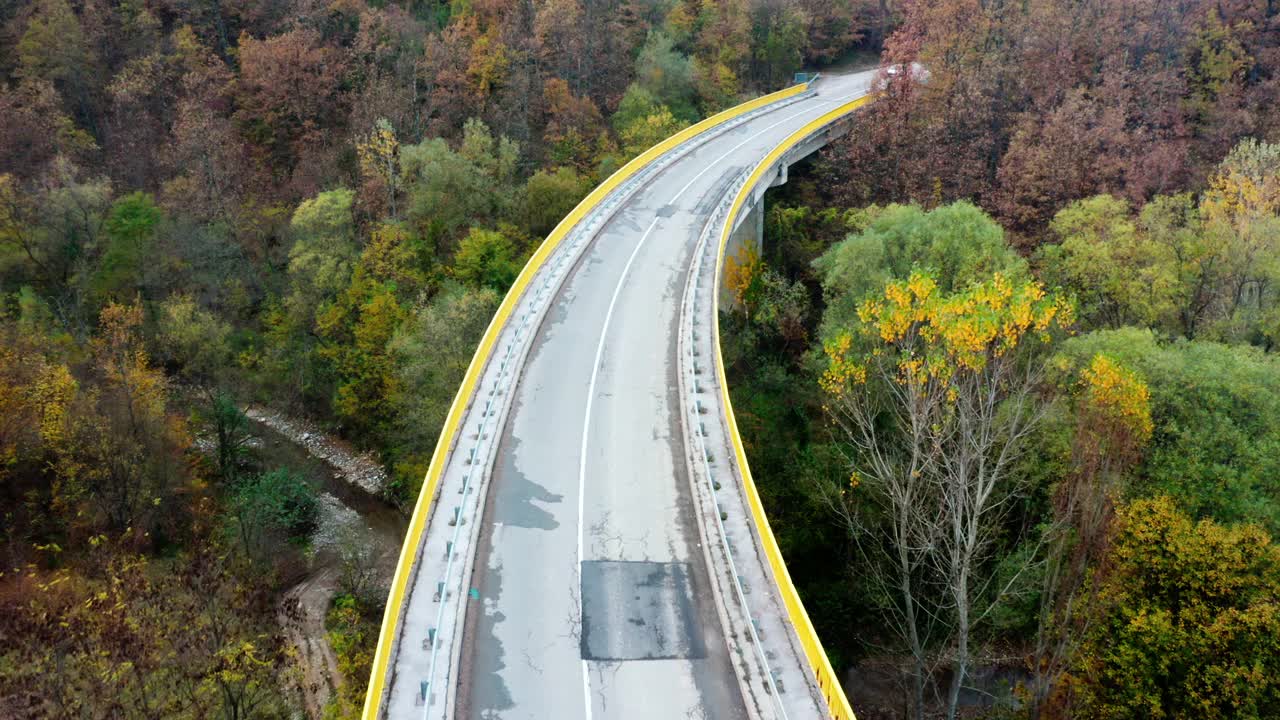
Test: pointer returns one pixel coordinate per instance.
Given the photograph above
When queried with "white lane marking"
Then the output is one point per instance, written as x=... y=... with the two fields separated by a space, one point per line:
x=586 y=429
x=595 y=374
x=735 y=149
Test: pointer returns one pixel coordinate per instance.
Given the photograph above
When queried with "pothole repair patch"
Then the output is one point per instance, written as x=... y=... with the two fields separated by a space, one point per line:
x=638 y=611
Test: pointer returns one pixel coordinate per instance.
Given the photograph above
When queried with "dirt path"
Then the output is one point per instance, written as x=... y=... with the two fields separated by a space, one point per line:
x=301 y=614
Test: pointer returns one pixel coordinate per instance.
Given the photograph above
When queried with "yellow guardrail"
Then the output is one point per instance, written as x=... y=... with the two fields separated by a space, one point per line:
x=448 y=434
x=828 y=683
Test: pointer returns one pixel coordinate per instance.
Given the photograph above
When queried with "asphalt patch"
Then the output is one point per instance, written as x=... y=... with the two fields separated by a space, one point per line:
x=639 y=611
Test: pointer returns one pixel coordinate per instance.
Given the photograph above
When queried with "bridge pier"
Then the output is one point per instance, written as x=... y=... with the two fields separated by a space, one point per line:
x=746 y=241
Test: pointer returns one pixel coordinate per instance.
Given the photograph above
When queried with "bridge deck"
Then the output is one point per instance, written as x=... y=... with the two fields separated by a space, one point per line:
x=592 y=596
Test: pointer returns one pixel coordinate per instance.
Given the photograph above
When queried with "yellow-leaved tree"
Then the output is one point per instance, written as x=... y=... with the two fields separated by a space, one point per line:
x=741 y=270
x=936 y=393
x=379 y=154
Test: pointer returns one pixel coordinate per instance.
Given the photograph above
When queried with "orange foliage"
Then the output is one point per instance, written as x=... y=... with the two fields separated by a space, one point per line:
x=740 y=270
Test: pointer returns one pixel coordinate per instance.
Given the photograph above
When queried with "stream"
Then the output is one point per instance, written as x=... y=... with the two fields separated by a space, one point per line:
x=348 y=513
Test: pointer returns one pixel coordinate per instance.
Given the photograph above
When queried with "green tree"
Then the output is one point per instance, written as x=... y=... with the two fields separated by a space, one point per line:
x=432 y=350
x=642 y=120
x=548 y=197
x=193 y=341
x=269 y=507
x=1215 y=447
x=231 y=435
x=1189 y=264
x=1202 y=270
x=780 y=40
x=1119 y=276
x=447 y=190
x=355 y=331
x=324 y=248
x=486 y=258
x=667 y=74
x=958 y=243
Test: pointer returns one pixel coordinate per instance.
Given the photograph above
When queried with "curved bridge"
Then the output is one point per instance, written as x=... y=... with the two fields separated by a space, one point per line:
x=589 y=542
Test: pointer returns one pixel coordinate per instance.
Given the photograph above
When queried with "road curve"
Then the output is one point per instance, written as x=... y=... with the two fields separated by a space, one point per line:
x=589 y=592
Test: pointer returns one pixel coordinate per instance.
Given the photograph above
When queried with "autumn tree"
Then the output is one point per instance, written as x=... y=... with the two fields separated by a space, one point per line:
x=139 y=636
x=196 y=344
x=1065 y=155
x=36 y=392
x=54 y=48
x=722 y=46
x=1030 y=106
x=741 y=270
x=560 y=42
x=937 y=393
x=35 y=128
x=112 y=446
x=290 y=93
x=1241 y=215
x=574 y=126
x=1187 y=621
x=1112 y=427
x=379 y=154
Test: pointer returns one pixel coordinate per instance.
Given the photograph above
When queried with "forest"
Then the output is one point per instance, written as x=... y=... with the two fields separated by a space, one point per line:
x=1055 y=255
x=309 y=207
x=1013 y=340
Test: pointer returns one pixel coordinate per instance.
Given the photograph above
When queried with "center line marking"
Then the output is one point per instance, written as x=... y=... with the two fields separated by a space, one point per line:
x=586 y=429
x=595 y=374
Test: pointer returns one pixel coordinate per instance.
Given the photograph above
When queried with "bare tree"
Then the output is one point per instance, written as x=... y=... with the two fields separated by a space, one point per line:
x=994 y=409
x=890 y=506
x=1113 y=423
x=358 y=566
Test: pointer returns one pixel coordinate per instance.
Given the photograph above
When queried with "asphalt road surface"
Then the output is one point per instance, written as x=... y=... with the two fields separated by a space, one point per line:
x=594 y=598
